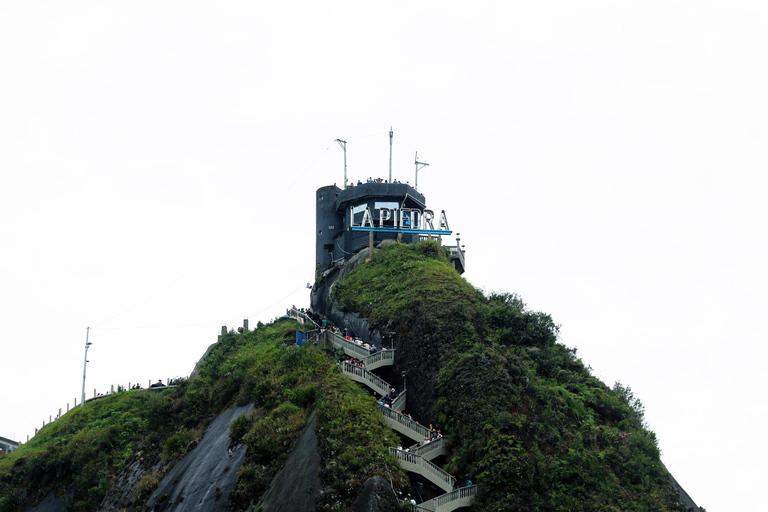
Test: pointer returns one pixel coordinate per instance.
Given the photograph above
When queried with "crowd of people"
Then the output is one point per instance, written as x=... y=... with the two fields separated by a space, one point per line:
x=386 y=401
x=374 y=180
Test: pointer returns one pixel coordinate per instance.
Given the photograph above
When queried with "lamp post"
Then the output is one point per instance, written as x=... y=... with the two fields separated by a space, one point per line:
x=343 y=145
x=85 y=363
x=404 y=374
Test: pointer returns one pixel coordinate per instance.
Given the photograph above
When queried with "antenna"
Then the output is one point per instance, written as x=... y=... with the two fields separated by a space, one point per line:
x=390 y=154
x=343 y=145
x=85 y=364
x=422 y=164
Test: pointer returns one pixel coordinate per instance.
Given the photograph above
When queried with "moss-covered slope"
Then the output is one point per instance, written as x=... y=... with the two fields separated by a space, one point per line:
x=80 y=457
x=529 y=422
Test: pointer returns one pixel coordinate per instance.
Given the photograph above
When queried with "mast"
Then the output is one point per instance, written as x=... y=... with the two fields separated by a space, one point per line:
x=343 y=145
x=85 y=363
x=390 y=154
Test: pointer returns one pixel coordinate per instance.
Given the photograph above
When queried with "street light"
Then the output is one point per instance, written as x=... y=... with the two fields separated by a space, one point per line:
x=404 y=374
x=85 y=363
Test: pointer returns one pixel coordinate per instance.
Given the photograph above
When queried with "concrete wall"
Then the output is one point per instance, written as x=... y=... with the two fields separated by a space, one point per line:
x=333 y=240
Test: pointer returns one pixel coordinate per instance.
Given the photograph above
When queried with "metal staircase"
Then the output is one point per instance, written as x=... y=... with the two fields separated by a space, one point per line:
x=416 y=459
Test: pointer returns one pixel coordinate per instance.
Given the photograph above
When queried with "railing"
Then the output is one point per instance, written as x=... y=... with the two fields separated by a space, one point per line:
x=457 y=498
x=363 y=376
x=432 y=449
x=398 y=404
x=298 y=315
x=380 y=358
x=409 y=427
x=416 y=460
x=314 y=335
x=425 y=468
x=350 y=348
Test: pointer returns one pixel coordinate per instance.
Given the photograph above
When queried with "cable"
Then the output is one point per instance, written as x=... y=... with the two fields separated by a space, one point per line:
x=342 y=250
x=277 y=302
x=404 y=142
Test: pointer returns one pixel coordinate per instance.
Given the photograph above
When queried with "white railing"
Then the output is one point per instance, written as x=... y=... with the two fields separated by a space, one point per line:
x=298 y=315
x=398 y=404
x=363 y=376
x=379 y=359
x=420 y=465
x=349 y=347
x=457 y=498
x=416 y=460
x=432 y=449
x=416 y=430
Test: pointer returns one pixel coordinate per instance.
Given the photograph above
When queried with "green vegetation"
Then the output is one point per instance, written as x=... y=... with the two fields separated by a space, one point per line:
x=528 y=421
x=81 y=454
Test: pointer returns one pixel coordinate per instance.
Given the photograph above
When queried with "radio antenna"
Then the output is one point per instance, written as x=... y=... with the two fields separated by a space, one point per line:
x=343 y=145
x=390 y=154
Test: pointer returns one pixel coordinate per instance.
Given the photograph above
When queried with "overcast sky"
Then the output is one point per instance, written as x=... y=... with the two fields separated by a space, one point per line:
x=604 y=160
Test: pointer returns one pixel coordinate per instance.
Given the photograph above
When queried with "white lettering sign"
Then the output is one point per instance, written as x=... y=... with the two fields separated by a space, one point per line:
x=398 y=218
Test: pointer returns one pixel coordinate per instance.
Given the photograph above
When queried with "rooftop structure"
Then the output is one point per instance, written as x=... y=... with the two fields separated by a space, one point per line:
x=7 y=446
x=349 y=220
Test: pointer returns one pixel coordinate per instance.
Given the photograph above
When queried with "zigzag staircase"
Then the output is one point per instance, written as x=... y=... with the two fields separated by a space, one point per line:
x=418 y=458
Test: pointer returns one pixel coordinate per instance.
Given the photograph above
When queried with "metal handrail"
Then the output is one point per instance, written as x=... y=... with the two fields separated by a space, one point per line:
x=407 y=422
x=298 y=315
x=398 y=403
x=382 y=355
x=425 y=449
x=349 y=347
x=438 y=475
x=372 y=380
x=460 y=493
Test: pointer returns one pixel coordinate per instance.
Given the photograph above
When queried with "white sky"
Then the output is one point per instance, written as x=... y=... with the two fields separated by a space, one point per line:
x=605 y=160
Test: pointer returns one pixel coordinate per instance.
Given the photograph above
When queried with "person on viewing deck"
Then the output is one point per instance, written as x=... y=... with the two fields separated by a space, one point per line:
x=158 y=384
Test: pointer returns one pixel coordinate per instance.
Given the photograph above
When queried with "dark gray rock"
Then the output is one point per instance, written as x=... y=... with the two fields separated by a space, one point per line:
x=376 y=496
x=297 y=485
x=123 y=494
x=51 y=503
x=684 y=499
x=321 y=301
x=204 y=478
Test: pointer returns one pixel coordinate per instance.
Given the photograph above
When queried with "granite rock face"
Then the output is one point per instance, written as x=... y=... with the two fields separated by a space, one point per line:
x=297 y=485
x=376 y=496
x=204 y=478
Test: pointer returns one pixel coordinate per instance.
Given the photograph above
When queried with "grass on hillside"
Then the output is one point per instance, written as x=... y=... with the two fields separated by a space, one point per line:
x=530 y=423
x=80 y=455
